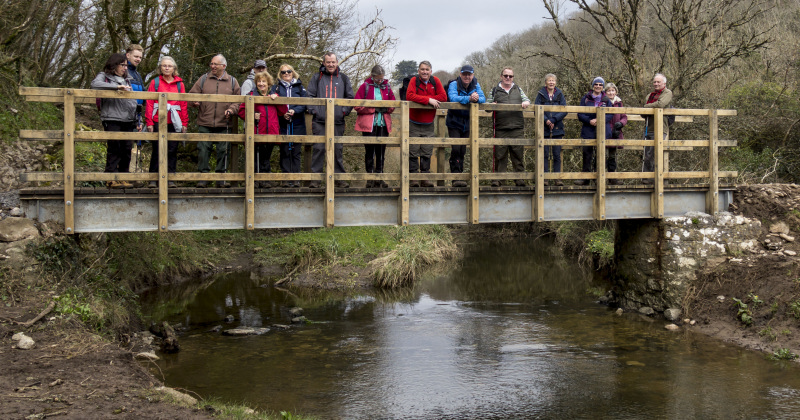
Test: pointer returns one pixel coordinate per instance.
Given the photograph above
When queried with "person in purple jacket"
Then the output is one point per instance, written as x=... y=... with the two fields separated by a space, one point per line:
x=595 y=97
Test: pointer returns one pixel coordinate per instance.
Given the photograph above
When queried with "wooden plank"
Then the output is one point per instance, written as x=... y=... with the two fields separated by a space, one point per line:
x=441 y=128
x=308 y=148
x=712 y=201
x=163 y=128
x=537 y=205
x=69 y=161
x=403 y=204
x=51 y=135
x=599 y=207
x=249 y=164
x=115 y=135
x=672 y=175
x=439 y=141
x=474 y=168
x=330 y=160
x=657 y=199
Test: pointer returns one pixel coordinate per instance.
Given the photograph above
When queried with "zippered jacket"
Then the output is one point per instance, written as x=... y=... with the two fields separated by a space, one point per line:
x=297 y=125
x=366 y=114
x=557 y=118
x=589 y=131
x=421 y=94
x=268 y=121
x=330 y=85
x=459 y=118
x=123 y=110
x=212 y=114
x=169 y=87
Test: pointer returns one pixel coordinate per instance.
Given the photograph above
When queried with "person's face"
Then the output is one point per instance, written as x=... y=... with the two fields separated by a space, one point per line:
x=597 y=88
x=262 y=85
x=659 y=83
x=260 y=69
x=167 y=67
x=377 y=79
x=330 y=63
x=120 y=69
x=550 y=83
x=135 y=57
x=611 y=93
x=508 y=77
x=466 y=77
x=286 y=74
x=424 y=72
x=217 y=68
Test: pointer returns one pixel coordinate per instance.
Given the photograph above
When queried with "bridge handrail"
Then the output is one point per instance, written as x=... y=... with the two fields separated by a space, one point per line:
x=401 y=139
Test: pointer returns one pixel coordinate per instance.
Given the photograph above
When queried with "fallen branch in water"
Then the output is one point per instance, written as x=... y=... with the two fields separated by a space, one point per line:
x=287 y=278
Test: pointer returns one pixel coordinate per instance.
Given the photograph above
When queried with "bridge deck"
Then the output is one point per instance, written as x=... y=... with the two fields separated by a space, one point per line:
x=104 y=210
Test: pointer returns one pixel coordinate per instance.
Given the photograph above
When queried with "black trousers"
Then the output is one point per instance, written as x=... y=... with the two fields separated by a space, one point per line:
x=457 y=152
x=172 y=152
x=374 y=154
x=588 y=159
x=118 y=152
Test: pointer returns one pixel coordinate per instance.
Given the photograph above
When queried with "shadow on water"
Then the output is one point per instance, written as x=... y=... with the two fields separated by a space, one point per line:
x=508 y=332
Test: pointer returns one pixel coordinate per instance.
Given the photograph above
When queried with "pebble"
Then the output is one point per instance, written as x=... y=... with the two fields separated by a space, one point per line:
x=229 y=318
x=295 y=312
x=26 y=343
x=246 y=331
x=646 y=310
x=721 y=298
x=672 y=327
x=786 y=237
x=692 y=322
x=789 y=252
x=672 y=314
x=619 y=311
x=299 y=320
x=15 y=212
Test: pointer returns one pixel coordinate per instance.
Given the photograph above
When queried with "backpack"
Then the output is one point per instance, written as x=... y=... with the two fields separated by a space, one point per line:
x=404 y=88
x=447 y=88
x=180 y=84
x=670 y=118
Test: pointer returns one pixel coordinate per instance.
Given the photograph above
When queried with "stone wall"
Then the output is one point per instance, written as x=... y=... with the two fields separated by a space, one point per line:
x=657 y=260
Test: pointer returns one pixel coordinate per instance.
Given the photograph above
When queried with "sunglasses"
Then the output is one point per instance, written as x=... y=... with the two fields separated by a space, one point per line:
x=508 y=76
x=598 y=84
x=286 y=71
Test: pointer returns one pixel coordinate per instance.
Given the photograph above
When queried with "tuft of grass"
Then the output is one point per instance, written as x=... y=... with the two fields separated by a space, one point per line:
x=601 y=244
x=236 y=411
x=794 y=308
x=768 y=334
x=783 y=354
x=418 y=247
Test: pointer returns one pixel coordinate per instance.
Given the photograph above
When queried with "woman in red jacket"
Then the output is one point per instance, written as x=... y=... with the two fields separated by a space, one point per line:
x=425 y=89
x=168 y=81
x=375 y=122
x=266 y=117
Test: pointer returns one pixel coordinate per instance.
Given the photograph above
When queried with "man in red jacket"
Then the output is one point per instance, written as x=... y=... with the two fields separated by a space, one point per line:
x=425 y=89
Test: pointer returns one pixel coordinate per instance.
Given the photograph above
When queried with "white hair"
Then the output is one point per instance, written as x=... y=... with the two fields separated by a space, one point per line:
x=222 y=59
x=661 y=76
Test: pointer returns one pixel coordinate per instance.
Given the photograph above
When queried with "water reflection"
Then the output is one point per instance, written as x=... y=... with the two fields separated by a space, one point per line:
x=510 y=333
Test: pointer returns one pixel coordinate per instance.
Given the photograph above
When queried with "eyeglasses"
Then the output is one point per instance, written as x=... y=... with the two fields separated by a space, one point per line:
x=167 y=66
x=508 y=76
x=598 y=84
x=286 y=71
x=216 y=64
x=122 y=64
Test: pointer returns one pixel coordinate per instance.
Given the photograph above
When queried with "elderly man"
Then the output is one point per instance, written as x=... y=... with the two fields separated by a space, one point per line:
x=509 y=124
x=248 y=85
x=214 y=117
x=660 y=97
x=463 y=90
x=330 y=82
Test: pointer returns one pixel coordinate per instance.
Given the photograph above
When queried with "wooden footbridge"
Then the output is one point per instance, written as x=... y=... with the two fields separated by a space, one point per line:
x=92 y=209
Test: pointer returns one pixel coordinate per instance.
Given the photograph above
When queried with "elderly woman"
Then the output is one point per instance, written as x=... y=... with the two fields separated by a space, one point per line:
x=117 y=115
x=595 y=97
x=375 y=122
x=266 y=117
x=549 y=94
x=618 y=122
x=292 y=122
x=167 y=81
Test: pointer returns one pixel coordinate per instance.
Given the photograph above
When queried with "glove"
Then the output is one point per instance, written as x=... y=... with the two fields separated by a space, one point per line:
x=618 y=125
x=615 y=133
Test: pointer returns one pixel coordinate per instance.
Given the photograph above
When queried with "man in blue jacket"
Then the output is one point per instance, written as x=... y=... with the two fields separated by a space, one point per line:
x=463 y=90
x=134 y=53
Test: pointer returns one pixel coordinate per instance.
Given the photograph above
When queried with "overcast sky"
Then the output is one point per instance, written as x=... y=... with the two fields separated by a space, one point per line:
x=458 y=27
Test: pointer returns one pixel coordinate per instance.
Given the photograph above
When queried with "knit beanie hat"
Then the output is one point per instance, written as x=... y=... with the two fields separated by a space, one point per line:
x=598 y=79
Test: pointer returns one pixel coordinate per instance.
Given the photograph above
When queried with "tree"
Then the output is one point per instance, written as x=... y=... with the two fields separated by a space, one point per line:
x=404 y=69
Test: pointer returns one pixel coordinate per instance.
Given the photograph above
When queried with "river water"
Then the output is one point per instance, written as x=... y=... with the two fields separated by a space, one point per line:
x=510 y=333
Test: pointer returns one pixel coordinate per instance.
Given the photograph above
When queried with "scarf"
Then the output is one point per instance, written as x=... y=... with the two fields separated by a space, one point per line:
x=288 y=86
x=654 y=95
x=597 y=99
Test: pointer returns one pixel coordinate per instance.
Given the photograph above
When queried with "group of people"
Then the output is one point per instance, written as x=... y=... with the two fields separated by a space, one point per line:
x=120 y=73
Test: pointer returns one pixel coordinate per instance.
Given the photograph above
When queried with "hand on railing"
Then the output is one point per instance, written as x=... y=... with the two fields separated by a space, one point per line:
x=433 y=102
x=149 y=128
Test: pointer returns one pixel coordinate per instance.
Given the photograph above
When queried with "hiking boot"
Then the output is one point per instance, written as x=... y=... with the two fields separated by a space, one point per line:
x=414 y=184
x=426 y=184
x=495 y=184
x=459 y=184
x=313 y=184
x=519 y=182
x=648 y=181
x=381 y=184
x=580 y=182
x=546 y=183
x=201 y=184
x=341 y=184
x=223 y=184
x=370 y=184
x=172 y=184
x=614 y=181
x=296 y=184
x=559 y=183
x=152 y=184
x=286 y=184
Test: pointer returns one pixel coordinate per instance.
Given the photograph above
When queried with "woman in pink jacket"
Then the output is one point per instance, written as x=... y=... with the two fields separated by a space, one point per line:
x=167 y=80
x=266 y=117
x=375 y=122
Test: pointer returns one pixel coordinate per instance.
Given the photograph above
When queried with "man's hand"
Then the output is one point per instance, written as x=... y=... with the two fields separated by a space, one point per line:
x=474 y=97
x=593 y=121
x=149 y=128
x=550 y=124
x=434 y=103
x=525 y=104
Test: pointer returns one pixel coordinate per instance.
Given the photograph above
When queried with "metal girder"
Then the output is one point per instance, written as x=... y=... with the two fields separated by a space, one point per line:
x=133 y=212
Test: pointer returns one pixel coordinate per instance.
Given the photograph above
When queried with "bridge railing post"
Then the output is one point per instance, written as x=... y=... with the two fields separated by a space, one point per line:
x=403 y=205
x=69 y=161
x=599 y=210
x=249 y=155
x=330 y=161
x=712 y=197
x=657 y=199
x=537 y=205
x=474 y=167
x=163 y=191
